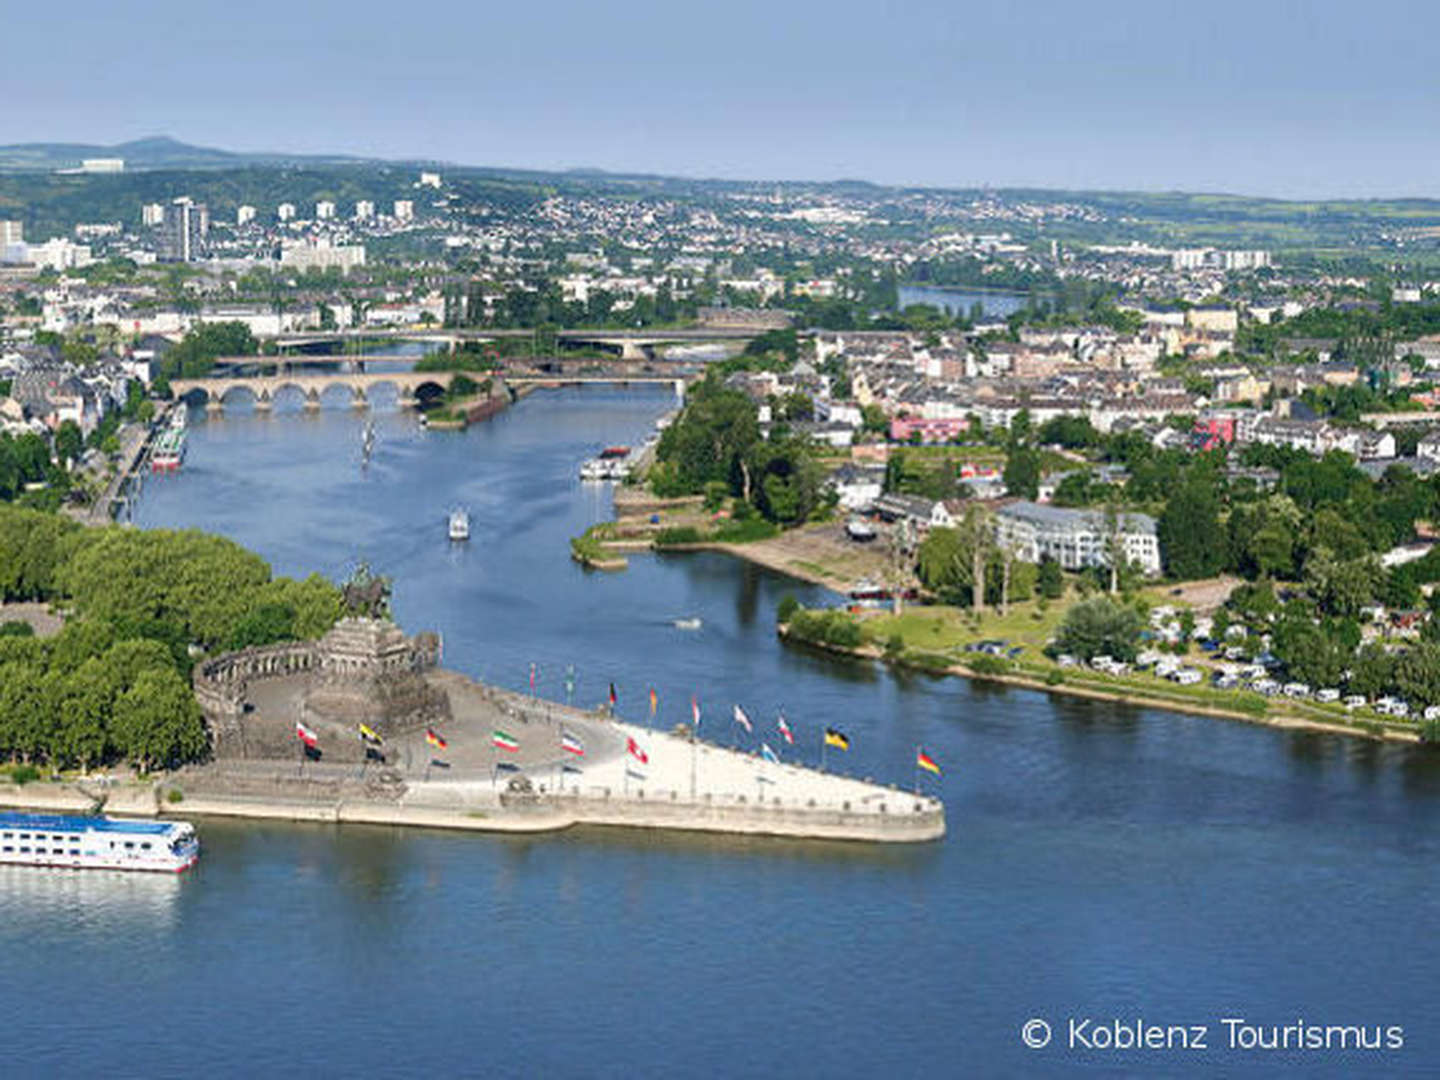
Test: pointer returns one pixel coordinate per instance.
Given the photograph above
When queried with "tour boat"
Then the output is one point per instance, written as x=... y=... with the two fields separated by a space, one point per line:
x=97 y=843
x=691 y=623
x=169 y=450
x=459 y=525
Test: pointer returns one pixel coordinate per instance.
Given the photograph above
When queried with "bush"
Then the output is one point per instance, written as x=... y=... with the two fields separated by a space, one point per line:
x=741 y=532
x=16 y=628
x=985 y=664
x=825 y=628
x=1054 y=677
x=787 y=607
x=174 y=795
x=894 y=646
x=677 y=534
x=24 y=774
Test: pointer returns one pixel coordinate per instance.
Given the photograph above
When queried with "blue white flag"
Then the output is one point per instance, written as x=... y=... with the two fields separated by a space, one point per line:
x=768 y=754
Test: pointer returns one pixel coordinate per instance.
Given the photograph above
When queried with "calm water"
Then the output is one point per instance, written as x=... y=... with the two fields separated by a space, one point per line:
x=959 y=301
x=1102 y=862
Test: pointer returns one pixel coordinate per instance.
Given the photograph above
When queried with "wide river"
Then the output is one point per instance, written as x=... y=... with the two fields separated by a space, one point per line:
x=1102 y=862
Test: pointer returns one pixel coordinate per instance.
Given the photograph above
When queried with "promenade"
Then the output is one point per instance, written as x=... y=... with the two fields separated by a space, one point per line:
x=615 y=773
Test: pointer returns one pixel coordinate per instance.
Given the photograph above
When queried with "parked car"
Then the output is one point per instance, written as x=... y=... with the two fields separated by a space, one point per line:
x=1187 y=676
x=1066 y=660
x=1432 y=712
x=1297 y=689
x=1355 y=701
x=1327 y=695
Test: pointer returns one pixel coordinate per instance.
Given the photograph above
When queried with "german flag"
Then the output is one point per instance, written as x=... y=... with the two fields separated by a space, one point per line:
x=434 y=738
x=370 y=735
x=926 y=762
x=836 y=739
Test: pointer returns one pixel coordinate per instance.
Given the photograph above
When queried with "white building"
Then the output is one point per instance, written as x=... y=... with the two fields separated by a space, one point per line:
x=244 y=215
x=285 y=211
x=430 y=180
x=102 y=165
x=322 y=255
x=59 y=254
x=364 y=210
x=324 y=210
x=1076 y=539
x=404 y=210
x=152 y=214
x=12 y=241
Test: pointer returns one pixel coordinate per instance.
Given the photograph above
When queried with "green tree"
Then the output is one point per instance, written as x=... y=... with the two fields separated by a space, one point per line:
x=1022 y=472
x=1099 y=626
x=157 y=721
x=1192 y=544
x=69 y=443
x=1051 y=579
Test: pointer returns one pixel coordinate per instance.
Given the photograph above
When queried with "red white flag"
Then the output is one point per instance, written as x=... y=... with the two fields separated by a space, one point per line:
x=785 y=730
x=305 y=735
x=638 y=754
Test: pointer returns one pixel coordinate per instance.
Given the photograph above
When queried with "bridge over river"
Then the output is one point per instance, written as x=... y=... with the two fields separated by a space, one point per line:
x=630 y=344
x=412 y=388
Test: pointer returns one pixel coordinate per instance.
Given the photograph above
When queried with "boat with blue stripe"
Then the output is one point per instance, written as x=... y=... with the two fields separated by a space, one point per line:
x=97 y=843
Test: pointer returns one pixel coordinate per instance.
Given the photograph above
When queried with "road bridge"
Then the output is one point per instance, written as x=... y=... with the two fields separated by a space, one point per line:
x=632 y=344
x=411 y=387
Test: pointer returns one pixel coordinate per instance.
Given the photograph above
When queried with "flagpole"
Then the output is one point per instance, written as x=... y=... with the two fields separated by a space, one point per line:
x=824 y=742
x=917 y=770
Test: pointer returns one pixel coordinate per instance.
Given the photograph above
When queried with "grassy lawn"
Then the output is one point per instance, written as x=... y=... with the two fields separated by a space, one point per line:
x=948 y=629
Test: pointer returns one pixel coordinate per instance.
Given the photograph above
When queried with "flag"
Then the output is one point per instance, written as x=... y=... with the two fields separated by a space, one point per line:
x=654 y=701
x=743 y=720
x=768 y=754
x=634 y=749
x=571 y=744
x=837 y=739
x=695 y=710
x=502 y=740
x=612 y=695
x=925 y=761
x=370 y=735
x=785 y=730
x=434 y=738
x=532 y=679
x=305 y=735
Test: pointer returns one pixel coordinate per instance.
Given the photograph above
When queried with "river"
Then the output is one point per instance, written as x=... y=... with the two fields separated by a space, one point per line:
x=1102 y=861
x=961 y=301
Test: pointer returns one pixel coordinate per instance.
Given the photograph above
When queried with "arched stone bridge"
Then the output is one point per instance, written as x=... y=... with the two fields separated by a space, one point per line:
x=410 y=386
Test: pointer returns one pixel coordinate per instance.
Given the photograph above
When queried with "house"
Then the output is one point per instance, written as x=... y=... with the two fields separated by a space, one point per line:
x=856 y=486
x=1428 y=449
x=1076 y=539
x=919 y=511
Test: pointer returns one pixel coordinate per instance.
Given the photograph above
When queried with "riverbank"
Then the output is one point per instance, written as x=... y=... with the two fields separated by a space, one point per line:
x=1121 y=694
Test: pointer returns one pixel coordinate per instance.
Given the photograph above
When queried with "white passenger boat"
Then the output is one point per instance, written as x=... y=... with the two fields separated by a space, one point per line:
x=97 y=843
x=459 y=525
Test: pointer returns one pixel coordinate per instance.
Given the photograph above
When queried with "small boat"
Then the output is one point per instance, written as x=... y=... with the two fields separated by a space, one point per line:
x=692 y=623
x=859 y=530
x=97 y=843
x=459 y=524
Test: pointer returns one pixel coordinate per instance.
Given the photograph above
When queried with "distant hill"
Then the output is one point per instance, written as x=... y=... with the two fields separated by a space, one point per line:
x=155 y=152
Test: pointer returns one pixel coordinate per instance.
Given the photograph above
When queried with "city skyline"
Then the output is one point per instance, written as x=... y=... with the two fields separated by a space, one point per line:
x=1289 y=101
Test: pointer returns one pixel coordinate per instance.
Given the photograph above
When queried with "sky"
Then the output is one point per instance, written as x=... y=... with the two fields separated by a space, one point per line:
x=1290 y=98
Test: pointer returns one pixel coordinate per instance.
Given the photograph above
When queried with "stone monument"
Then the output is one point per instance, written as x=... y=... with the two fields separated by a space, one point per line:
x=368 y=671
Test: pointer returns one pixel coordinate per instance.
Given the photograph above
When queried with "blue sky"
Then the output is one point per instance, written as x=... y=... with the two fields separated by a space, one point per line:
x=1279 y=97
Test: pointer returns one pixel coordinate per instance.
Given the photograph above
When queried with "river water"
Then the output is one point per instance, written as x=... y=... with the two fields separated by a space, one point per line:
x=1102 y=861
x=961 y=301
